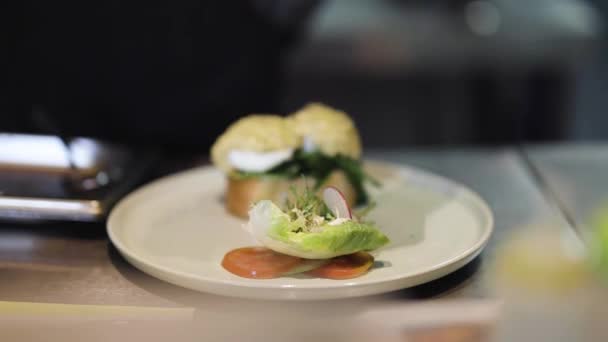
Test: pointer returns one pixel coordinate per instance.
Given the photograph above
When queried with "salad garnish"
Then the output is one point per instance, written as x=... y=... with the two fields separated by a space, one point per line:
x=313 y=233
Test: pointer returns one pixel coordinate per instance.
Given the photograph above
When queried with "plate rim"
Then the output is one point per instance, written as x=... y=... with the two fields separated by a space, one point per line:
x=476 y=203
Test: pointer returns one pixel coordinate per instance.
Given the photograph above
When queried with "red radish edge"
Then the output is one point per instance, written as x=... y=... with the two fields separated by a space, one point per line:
x=334 y=199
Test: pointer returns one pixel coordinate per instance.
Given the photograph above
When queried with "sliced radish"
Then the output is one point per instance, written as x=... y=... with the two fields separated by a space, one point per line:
x=336 y=202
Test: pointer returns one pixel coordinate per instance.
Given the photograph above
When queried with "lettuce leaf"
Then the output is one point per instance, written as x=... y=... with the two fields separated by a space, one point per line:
x=278 y=231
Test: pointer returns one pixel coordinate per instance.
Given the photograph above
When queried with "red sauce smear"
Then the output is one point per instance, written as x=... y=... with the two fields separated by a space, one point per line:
x=264 y=263
x=345 y=266
x=258 y=262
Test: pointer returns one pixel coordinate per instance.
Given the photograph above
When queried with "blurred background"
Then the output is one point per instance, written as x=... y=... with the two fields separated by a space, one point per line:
x=432 y=72
x=453 y=72
x=172 y=75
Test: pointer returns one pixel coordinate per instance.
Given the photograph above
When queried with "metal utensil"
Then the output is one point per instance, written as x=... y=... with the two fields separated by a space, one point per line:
x=75 y=180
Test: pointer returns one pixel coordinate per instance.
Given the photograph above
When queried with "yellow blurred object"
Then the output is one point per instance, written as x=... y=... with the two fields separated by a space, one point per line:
x=542 y=274
x=255 y=133
x=330 y=130
x=542 y=260
x=598 y=241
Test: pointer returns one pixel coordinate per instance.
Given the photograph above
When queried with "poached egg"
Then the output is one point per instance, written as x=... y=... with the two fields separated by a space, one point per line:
x=250 y=161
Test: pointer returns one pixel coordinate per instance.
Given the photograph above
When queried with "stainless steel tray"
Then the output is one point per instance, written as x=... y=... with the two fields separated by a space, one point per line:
x=38 y=175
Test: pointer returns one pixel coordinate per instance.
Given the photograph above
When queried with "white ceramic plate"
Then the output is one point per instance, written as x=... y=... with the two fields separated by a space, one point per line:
x=176 y=229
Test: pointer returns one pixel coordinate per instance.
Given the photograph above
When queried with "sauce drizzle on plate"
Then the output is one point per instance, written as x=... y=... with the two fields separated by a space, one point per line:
x=264 y=263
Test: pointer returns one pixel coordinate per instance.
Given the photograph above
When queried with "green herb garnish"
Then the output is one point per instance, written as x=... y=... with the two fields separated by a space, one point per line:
x=306 y=209
x=319 y=166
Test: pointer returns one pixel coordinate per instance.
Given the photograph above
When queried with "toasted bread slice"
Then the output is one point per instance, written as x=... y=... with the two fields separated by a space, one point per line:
x=241 y=193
